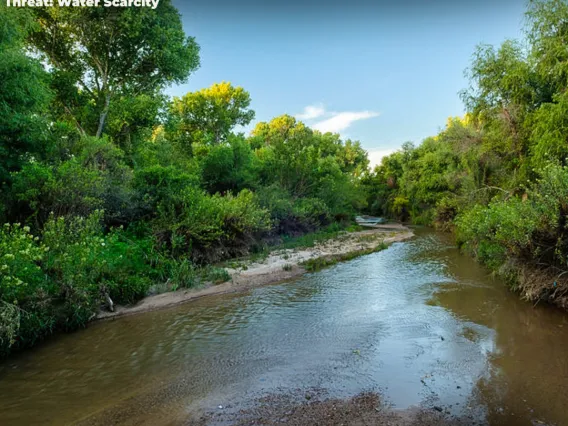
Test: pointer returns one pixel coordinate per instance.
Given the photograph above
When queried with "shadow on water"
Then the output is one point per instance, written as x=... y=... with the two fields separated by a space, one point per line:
x=419 y=322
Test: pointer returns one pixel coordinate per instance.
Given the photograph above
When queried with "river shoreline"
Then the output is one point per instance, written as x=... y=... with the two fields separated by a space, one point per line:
x=416 y=331
x=363 y=409
x=280 y=265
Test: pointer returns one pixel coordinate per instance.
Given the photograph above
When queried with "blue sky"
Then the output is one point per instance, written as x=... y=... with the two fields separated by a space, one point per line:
x=375 y=71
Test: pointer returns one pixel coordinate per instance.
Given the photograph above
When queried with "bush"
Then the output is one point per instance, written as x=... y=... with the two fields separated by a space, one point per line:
x=40 y=189
x=400 y=207
x=209 y=228
x=228 y=166
x=96 y=178
x=311 y=211
x=293 y=216
x=24 y=289
x=277 y=201
x=157 y=184
x=89 y=263
x=20 y=260
x=60 y=280
x=446 y=211
x=530 y=228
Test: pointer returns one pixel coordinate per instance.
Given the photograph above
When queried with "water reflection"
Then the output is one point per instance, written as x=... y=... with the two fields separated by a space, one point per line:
x=528 y=380
x=418 y=321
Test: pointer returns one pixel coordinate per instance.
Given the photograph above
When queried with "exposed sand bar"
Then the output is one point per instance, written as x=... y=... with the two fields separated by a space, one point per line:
x=280 y=265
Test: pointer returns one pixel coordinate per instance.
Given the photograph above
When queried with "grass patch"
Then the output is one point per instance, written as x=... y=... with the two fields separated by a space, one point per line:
x=320 y=263
x=215 y=275
x=354 y=227
x=313 y=238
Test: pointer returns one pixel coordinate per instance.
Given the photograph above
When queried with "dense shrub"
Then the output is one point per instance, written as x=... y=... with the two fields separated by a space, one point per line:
x=69 y=188
x=209 y=227
x=95 y=178
x=227 y=167
x=20 y=255
x=293 y=216
x=59 y=280
x=533 y=228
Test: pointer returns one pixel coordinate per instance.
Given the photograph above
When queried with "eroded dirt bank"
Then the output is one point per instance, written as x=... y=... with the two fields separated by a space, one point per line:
x=280 y=265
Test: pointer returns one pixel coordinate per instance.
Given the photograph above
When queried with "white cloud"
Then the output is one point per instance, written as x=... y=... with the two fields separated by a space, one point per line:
x=334 y=122
x=375 y=156
x=337 y=122
x=342 y=120
x=311 y=112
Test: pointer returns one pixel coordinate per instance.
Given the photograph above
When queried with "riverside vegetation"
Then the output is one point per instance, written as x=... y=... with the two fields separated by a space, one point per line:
x=109 y=187
x=498 y=177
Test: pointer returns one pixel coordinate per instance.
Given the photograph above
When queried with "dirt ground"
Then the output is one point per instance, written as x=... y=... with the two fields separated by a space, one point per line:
x=280 y=265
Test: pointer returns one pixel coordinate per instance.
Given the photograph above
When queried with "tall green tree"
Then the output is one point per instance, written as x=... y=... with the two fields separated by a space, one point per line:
x=209 y=115
x=310 y=164
x=547 y=31
x=504 y=89
x=24 y=94
x=102 y=56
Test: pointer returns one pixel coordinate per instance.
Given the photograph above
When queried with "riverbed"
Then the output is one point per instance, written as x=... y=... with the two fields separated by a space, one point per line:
x=418 y=323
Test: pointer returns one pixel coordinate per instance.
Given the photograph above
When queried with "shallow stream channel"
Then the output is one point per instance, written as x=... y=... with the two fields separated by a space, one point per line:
x=418 y=323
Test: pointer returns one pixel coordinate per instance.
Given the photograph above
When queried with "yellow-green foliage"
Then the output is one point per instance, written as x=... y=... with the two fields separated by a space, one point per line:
x=199 y=224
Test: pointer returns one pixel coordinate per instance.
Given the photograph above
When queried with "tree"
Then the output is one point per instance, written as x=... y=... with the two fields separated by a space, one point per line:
x=501 y=78
x=24 y=94
x=307 y=163
x=100 y=55
x=289 y=153
x=547 y=30
x=353 y=158
x=228 y=166
x=209 y=115
x=505 y=88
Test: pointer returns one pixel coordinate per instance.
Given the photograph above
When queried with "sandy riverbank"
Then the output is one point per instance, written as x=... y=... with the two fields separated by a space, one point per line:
x=280 y=265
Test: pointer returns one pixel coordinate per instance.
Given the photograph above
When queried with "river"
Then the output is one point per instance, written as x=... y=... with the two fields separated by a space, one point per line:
x=418 y=322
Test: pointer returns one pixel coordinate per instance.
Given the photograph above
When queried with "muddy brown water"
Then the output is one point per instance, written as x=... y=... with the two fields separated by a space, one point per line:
x=418 y=322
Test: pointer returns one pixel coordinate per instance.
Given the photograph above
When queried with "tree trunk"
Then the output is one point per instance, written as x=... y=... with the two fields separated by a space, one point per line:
x=103 y=116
